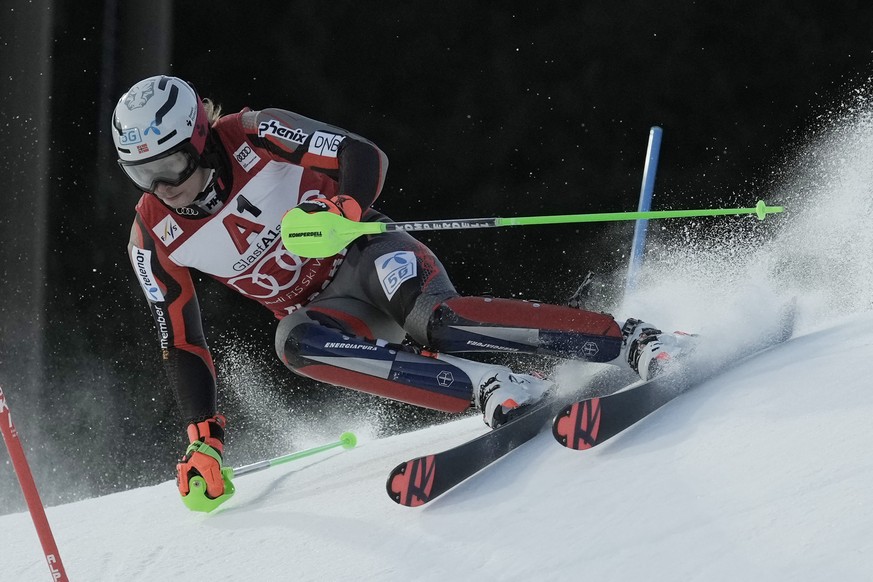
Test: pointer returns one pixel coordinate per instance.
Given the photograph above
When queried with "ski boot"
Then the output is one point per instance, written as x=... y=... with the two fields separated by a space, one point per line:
x=649 y=351
x=503 y=395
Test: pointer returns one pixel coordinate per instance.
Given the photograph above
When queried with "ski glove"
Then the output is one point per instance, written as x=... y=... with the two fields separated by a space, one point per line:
x=203 y=457
x=343 y=205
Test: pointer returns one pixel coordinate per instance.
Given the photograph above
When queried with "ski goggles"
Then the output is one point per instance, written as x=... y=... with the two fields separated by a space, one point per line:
x=171 y=169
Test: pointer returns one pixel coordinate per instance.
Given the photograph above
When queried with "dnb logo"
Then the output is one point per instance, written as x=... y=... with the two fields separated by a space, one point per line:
x=277 y=271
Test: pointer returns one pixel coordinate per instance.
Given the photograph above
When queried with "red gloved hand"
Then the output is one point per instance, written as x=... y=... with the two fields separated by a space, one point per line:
x=343 y=205
x=203 y=456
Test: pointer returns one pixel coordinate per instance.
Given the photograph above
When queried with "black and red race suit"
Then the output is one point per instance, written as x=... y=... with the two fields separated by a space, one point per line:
x=342 y=319
x=275 y=160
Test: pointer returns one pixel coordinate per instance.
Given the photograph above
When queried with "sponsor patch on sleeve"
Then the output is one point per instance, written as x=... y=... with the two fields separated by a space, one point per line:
x=142 y=262
x=395 y=268
x=325 y=144
x=273 y=127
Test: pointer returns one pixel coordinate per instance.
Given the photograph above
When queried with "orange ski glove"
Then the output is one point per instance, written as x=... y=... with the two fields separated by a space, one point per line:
x=343 y=205
x=203 y=456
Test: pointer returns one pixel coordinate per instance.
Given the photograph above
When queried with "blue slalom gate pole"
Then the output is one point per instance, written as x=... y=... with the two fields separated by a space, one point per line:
x=646 y=192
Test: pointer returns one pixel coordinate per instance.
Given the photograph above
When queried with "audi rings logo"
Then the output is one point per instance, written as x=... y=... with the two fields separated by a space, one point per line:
x=276 y=272
x=186 y=211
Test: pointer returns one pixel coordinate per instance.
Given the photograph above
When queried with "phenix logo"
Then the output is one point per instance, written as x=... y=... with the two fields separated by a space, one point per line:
x=273 y=127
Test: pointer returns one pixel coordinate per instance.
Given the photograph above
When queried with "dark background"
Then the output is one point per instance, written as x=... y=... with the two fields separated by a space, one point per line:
x=483 y=108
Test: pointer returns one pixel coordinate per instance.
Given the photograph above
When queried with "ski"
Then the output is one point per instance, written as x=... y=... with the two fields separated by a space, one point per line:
x=423 y=479
x=587 y=423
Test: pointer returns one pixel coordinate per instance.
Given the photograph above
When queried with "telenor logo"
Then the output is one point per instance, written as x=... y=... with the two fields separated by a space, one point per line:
x=395 y=268
x=142 y=262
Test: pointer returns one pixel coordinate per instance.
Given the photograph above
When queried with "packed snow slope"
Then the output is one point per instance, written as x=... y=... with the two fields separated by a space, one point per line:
x=762 y=473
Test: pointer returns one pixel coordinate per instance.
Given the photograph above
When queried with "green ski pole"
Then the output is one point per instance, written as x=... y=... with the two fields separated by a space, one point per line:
x=197 y=500
x=324 y=234
x=347 y=441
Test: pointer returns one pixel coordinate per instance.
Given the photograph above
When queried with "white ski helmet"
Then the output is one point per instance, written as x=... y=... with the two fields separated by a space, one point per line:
x=159 y=129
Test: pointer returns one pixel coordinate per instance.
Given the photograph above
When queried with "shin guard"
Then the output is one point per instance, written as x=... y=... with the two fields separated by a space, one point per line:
x=471 y=324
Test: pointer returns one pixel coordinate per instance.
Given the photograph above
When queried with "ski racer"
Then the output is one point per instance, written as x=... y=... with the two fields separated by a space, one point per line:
x=382 y=316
